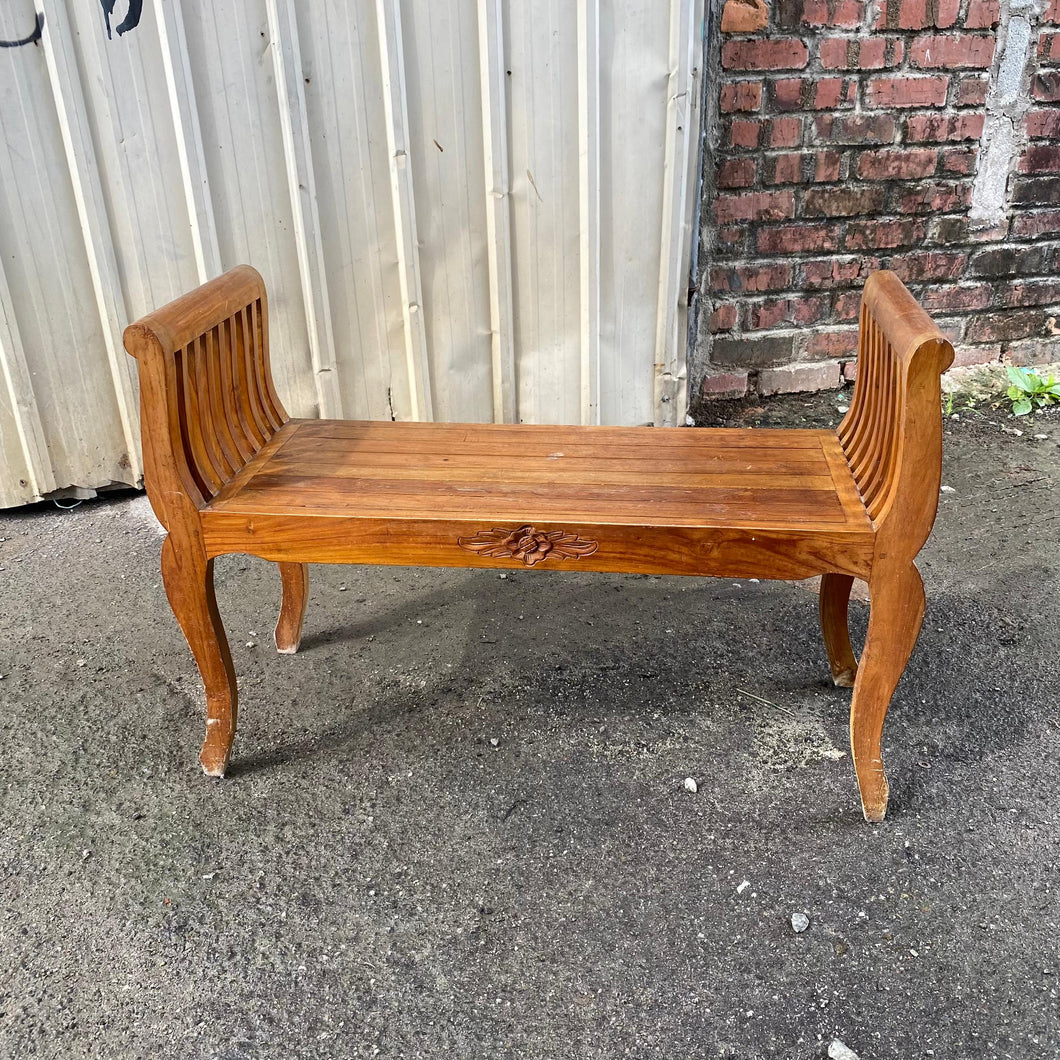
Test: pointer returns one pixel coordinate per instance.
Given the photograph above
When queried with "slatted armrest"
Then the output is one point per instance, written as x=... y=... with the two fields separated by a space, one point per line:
x=207 y=400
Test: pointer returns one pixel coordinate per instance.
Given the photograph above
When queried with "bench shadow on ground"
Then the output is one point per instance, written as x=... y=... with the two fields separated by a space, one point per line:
x=577 y=650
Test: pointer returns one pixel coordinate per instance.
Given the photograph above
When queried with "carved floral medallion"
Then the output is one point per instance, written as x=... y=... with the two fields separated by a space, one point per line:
x=527 y=544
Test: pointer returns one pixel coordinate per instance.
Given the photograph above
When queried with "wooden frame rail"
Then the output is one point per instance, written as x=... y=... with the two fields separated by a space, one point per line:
x=227 y=470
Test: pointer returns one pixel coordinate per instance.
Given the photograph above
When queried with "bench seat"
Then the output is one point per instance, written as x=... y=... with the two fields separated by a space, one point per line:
x=737 y=503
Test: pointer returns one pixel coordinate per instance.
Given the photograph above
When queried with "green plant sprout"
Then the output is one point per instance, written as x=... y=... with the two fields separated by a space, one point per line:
x=1030 y=391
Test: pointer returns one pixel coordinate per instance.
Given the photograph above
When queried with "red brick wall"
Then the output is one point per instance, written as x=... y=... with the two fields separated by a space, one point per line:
x=847 y=139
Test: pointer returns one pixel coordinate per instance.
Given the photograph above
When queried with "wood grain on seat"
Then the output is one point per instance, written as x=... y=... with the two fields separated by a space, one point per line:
x=403 y=493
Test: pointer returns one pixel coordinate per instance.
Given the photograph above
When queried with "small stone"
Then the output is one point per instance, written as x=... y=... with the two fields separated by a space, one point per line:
x=842 y=408
x=838 y=1050
x=80 y=662
x=1040 y=437
x=494 y=742
x=251 y=644
x=947 y=489
x=799 y=922
x=691 y=785
x=86 y=854
x=503 y=575
x=342 y=588
x=955 y=416
x=743 y=886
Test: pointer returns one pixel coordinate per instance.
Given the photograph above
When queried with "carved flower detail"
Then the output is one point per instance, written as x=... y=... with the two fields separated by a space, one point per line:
x=527 y=544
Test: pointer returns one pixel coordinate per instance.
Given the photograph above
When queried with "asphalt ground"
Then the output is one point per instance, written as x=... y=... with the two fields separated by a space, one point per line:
x=456 y=824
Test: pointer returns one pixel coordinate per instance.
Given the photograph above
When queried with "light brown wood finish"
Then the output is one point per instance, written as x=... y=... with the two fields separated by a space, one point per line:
x=835 y=596
x=294 y=579
x=228 y=471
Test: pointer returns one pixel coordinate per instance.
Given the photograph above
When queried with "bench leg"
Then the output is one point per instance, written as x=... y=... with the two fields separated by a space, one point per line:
x=835 y=595
x=294 y=578
x=896 y=601
x=188 y=578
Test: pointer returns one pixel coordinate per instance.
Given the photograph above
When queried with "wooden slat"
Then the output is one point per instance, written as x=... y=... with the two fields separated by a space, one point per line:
x=715 y=437
x=561 y=462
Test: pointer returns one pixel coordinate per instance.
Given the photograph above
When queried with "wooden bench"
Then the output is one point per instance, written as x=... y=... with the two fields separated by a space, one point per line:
x=227 y=470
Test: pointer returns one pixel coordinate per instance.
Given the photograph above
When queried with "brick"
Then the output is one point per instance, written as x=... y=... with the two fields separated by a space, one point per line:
x=1031 y=352
x=1040 y=158
x=785 y=132
x=744 y=16
x=930 y=266
x=740 y=96
x=847 y=307
x=1049 y=48
x=1035 y=224
x=730 y=237
x=751 y=278
x=1036 y=191
x=1047 y=87
x=724 y=317
x=834 y=14
x=830 y=343
x=897 y=163
x=724 y=385
x=951 y=230
x=855 y=129
x=799 y=378
x=804 y=310
x=834 y=272
x=1006 y=326
x=842 y=202
x=737 y=173
x=941 y=128
x=953 y=51
x=967 y=356
x=1030 y=293
x=744 y=134
x=1044 y=124
x=976 y=296
x=982 y=14
x=884 y=235
x=755 y=206
x=784 y=168
x=958 y=160
x=762 y=351
x=772 y=54
x=850 y=371
x=909 y=91
x=972 y=90
x=827 y=166
x=918 y=14
x=826 y=93
x=932 y=197
x=999 y=262
x=797 y=239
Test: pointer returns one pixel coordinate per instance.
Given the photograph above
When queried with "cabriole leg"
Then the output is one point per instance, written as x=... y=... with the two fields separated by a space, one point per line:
x=835 y=595
x=896 y=601
x=188 y=578
x=294 y=578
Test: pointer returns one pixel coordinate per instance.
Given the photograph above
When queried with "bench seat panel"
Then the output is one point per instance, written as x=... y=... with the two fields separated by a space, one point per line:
x=727 y=502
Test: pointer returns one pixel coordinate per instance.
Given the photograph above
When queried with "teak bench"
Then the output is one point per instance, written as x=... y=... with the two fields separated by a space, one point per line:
x=227 y=470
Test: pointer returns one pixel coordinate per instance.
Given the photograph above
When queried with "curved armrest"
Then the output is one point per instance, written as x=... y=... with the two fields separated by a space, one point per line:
x=207 y=400
x=892 y=435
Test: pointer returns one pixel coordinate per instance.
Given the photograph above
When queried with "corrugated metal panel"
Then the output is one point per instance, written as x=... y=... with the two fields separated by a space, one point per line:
x=469 y=211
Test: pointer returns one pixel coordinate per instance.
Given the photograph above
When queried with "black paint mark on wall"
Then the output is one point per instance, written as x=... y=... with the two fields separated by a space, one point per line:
x=131 y=20
x=31 y=39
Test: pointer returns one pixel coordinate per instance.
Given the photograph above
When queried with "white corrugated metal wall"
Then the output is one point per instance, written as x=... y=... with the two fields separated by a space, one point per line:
x=477 y=210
